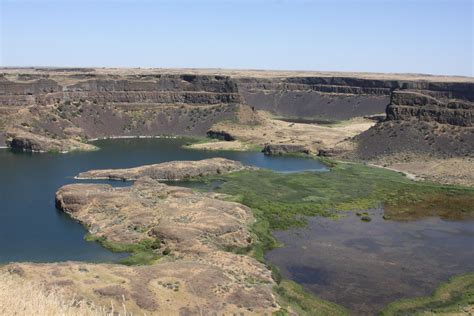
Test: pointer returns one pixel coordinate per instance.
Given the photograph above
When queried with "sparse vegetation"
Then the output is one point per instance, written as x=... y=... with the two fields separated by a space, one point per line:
x=295 y=299
x=140 y=253
x=19 y=296
x=455 y=297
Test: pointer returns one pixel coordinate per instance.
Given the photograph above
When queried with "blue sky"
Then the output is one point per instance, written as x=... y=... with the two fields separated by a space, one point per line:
x=417 y=36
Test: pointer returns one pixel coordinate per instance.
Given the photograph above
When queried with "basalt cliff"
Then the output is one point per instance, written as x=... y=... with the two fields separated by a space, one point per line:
x=54 y=109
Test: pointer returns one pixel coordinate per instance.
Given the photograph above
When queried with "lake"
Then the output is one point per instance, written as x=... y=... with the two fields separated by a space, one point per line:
x=360 y=265
x=31 y=229
x=366 y=265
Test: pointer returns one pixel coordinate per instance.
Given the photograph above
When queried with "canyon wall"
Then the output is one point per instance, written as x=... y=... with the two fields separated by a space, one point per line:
x=82 y=104
x=342 y=97
x=435 y=122
x=432 y=106
x=87 y=105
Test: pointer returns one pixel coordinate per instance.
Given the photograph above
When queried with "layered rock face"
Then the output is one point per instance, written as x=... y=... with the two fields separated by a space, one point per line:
x=327 y=97
x=85 y=105
x=437 y=122
x=422 y=105
x=339 y=97
x=82 y=104
x=24 y=90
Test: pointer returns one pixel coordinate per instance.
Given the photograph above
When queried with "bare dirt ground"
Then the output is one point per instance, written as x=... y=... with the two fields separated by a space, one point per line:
x=338 y=139
x=315 y=137
x=235 y=145
x=449 y=171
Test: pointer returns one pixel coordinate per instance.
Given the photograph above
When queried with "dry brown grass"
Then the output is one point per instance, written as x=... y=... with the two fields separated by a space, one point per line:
x=22 y=297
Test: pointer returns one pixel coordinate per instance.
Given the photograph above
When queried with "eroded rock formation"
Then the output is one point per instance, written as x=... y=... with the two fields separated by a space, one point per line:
x=97 y=105
x=423 y=123
x=281 y=149
x=168 y=171
x=21 y=140
x=198 y=274
x=409 y=105
x=81 y=104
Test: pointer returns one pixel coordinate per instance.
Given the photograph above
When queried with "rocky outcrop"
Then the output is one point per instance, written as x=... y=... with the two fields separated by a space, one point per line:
x=168 y=171
x=420 y=105
x=29 y=142
x=341 y=97
x=100 y=103
x=46 y=103
x=193 y=230
x=129 y=214
x=433 y=122
x=222 y=135
x=21 y=90
x=281 y=149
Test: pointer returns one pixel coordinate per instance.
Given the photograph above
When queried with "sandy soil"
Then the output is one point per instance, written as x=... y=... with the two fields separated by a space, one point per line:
x=222 y=145
x=448 y=171
x=314 y=136
x=337 y=138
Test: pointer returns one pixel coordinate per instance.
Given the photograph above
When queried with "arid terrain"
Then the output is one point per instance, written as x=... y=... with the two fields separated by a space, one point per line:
x=189 y=230
x=427 y=117
x=189 y=249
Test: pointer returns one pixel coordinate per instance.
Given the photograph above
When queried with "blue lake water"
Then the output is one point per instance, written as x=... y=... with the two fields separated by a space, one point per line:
x=31 y=229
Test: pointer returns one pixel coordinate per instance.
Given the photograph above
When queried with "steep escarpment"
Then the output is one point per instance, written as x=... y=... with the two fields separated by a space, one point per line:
x=323 y=97
x=421 y=105
x=338 y=97
x=85 y=105
x=70 y=106
x=438 y=123
x=30 y=89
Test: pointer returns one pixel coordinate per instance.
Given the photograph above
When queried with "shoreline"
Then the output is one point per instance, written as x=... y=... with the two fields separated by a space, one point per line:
x=132 y=137
x=409 y=175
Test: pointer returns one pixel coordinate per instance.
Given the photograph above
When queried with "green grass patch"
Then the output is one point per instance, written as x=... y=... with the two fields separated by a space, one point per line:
x=141 y=253
x=455 y=296
x=294 y=299
x=283 y=200
x=197 y=140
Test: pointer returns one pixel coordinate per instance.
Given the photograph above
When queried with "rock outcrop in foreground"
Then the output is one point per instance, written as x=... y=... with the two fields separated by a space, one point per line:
x=168 y=171
x=195 y=276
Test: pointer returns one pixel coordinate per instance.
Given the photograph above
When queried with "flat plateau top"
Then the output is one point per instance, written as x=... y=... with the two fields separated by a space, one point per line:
x=237 y=73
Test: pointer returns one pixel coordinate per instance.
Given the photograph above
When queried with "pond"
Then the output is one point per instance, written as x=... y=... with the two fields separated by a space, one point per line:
x=366 y=265
x=31 y=229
